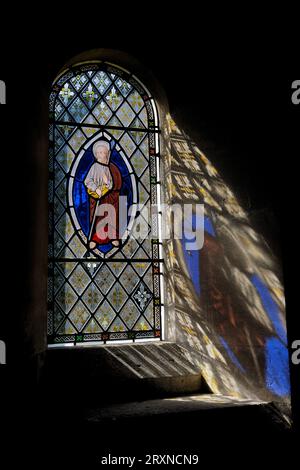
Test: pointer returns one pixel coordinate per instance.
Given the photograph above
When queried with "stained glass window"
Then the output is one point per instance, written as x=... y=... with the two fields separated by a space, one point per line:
x=109 y=287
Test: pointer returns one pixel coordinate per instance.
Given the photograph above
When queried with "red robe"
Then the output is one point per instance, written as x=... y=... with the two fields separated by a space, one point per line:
x=111 y=197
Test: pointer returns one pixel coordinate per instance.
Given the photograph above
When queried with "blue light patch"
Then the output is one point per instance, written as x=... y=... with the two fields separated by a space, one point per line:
x=231 y=354
x=192 y=257
x=270 y=306
x=208 y=226
x=277 y=367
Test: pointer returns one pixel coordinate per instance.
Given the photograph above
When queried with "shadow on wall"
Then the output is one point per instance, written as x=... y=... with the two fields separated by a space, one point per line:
x=228 y=298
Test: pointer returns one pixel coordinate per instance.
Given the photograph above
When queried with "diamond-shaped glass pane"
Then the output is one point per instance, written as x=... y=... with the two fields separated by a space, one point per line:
x=67 y=94
x=114 y=98
x=79 y=279
x=141 y=254
x=59 y=279
x=90 y=95
x=117 y=296
x=144 y=147
x=145 y=179
x=65 y=157
x=91 y=267
x=66 y=130
x=67 y=328
x=78 y=110
x=142 y=325
x=129 y=314
x=117 y=267
x=89 y=131
x=66 y=117
x=66 y=267
x=124 y=87
x=143 y=194
x=126 y=114
x=92 y=327
x=104 y=279
x=66 y=252
x=92 y=297
x=102 y=112
x=114 y=121
x=129 y=279
x=140 y=267
x=142 y=296
x=58 y=208
x=77 y=140
x=77 y=247
x=90 y=120
x=105 y=315
x=66 y=298
x=58 y=174
x=116 y=133
x=138 y=162
x=137 y=123
x=65 y=227
x=79 y=81
x=143 y=116
x=58 y=140
x=58 y=109
x=59 y=316
x=58 y=243
x=149 y=314
x=137 y=136
x=127 y=144
x=136 y=101
x=79 y=315
x=130 y=248
x=117 y=326
x=101 y=81
x=147 y=246
x=148 y=277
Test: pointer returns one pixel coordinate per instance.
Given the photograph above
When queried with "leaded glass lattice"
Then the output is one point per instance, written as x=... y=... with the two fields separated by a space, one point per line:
x=112 y=291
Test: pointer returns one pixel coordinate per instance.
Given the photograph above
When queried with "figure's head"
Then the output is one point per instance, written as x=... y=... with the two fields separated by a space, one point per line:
x=101 y=151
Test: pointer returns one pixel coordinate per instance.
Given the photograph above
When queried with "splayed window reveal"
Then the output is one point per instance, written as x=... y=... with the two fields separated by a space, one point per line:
x=229 y=287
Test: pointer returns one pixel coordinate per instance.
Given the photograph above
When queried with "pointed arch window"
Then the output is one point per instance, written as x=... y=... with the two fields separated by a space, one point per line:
x=108 y=286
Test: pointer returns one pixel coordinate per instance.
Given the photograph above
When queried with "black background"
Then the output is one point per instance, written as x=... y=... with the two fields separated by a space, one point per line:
x=229 y=88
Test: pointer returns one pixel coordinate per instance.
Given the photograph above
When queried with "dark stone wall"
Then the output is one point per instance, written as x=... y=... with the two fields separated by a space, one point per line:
x=245 y=150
